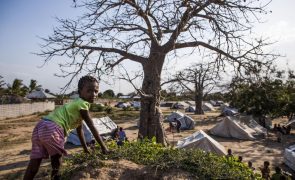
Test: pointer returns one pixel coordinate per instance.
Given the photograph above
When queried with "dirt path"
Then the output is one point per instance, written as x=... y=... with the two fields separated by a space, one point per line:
x=15 y=135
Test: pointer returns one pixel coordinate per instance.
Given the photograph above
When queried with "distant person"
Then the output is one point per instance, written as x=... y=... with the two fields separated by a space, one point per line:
x=280 y=129
x=240 y=159
x=92 y=145
x=275 y=128
x=250 y=165
x=171 y=126
x=279 y=174
x=279 y=133
x=115 y=134
x=178 y=125
x=49 y=134
x=229 y=154
x=122 y=137
x=288 y=130
x=265 y=171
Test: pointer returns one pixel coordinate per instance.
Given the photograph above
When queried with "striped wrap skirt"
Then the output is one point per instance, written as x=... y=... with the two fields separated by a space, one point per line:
x=47 y=140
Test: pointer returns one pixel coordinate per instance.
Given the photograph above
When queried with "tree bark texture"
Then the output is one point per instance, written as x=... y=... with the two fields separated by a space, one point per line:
x=199 y=100
x=151 y=117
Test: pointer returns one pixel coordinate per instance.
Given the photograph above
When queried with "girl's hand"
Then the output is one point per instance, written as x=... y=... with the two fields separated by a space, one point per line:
x=86 y=151
x=105 y=150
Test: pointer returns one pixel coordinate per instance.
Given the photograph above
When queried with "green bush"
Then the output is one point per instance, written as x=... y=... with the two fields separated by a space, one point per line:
x=108 y=110
x=97 y=108
x=128 y=108
x=200 y=164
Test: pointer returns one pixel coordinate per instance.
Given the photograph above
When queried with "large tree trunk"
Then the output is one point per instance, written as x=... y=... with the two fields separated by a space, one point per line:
x=150 y=114
x=198 y=101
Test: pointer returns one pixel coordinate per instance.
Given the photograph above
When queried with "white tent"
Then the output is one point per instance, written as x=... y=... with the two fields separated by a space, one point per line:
x=229 y=127
x=179 y=105
x=186 y=121
x=190 y=109
x=227 y=111
x=104 y=126
x=202 y=141
x=289 y=157
x=291 y=123
x=40 y=94
x=207 y=107
x=174 y=115
x=259 y=131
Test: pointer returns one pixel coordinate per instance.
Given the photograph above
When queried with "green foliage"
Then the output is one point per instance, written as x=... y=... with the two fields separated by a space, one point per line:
x=97 y=108
x=268 y=96
x=147 y=152
x=108 y=109
x=128 y=108
x=33 y=85
x=108 y=94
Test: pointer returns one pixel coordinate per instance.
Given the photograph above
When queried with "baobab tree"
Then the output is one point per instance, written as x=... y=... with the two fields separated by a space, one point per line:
x=147 y=32
x=198 y=79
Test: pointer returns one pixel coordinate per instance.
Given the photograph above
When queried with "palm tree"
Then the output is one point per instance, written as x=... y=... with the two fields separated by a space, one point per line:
x=15 y=89
x=2 y=83
x=33 y=85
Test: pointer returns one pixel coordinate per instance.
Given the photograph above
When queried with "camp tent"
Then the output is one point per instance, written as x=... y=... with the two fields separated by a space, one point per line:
x=289 y=157
x=207 y=107
x=291 y=123
x=104 y=126
x=200 y=140
x=227 y=111
x=174 y=115
x=229 y=127
x=190 y=109
x=259 y=131
x=186 y=121
x=179 y=105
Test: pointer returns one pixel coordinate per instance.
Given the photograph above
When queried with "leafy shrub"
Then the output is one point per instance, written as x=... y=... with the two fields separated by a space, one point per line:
x=128 y=108
x=108 y=109
x=96 y=108
x=200 y=164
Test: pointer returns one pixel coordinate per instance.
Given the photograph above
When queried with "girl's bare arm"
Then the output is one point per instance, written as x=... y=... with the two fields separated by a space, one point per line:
x=85 y=115
x=81 y=136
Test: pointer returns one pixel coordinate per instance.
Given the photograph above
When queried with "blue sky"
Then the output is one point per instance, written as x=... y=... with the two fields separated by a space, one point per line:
x=22 y=21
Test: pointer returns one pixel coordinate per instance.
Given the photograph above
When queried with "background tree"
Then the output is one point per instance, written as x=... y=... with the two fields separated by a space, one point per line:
x=199 y=79
x=150 y=31
x=15 y=89
x=271 y=95
x=119 y=94
x=108 y=94
x=33 y=85
x=2 y=82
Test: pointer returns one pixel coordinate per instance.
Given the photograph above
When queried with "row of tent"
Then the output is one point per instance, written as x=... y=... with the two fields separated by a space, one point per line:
x=236 y=127
x=240 y=127
x=245 y=128
x=201 y=140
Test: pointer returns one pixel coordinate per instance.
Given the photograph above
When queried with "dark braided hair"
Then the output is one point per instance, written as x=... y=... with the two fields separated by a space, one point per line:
x=85 y=79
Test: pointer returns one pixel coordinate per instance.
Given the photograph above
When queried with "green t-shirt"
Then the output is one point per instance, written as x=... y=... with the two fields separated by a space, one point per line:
x=68 y=116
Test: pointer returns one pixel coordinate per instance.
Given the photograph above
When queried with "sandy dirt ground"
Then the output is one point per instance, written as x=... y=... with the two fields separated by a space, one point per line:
x=15 y=135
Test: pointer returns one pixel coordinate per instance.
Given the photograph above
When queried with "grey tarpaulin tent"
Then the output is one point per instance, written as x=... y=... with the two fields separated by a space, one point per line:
x=186 y=121
x=289 y=157
x=201 y=141
x=104 y=125
x=229 y=127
